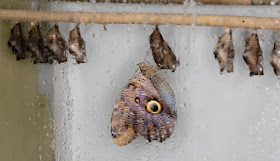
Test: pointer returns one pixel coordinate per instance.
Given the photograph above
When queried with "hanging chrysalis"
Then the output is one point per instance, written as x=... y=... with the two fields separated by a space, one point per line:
x=36 y=45
x=145 y=107
x=17 y=42
x=56 y=44
x=253 y=55
x=77 y=45
x=224 y=52
x=162 y=53
x=275 y=57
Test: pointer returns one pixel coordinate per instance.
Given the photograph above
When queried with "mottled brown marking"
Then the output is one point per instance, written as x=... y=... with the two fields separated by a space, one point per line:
x=162 y=53
x=253 y=55
x=77 y=45
x=36 y=45
x=224 y=52
x=17 y=42
x=56 y=44
x=275 y=57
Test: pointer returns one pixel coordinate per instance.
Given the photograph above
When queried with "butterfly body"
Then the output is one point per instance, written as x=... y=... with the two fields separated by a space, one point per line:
x=133 y=115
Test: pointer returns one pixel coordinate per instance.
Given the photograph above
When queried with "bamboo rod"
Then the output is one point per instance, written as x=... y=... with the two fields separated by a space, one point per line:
x=206 y=2
x=139 y=18
x=211 y=2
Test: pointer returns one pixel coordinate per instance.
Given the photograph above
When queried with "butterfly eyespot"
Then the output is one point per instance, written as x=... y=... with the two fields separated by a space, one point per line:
x=131 y=86
x=154 y=107
x=137 y=100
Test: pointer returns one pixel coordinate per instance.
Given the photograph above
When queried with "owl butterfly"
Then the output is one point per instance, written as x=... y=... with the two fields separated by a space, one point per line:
x=56 y=44
x=224 y=52
x=145 y=107
x=253 y=55
x=162 y=53
x=17 y=42
x=77 y=45
x=36 y=44
x=275 y=57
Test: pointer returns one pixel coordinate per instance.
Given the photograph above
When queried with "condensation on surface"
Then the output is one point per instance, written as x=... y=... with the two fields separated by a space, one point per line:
x=25 y=117
x=220 y=117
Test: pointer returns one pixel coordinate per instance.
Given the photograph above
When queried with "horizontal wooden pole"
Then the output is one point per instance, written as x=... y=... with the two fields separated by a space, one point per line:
x=139 y=18
x=211 y=2
x=207 y=2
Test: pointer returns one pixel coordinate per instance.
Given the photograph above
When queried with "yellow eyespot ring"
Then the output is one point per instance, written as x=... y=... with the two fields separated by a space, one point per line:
x=154 y=107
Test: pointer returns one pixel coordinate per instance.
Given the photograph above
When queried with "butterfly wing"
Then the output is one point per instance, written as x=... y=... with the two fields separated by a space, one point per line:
x=130 y=115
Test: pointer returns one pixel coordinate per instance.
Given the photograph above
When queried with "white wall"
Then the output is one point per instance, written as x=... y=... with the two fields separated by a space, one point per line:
x=230 y=117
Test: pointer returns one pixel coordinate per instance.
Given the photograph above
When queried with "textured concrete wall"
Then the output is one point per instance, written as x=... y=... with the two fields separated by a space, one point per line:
x=220 y=117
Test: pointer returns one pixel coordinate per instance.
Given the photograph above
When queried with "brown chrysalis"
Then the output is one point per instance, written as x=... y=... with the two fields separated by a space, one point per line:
x=77 y=45
x=17 y=42
x=145 y=107
x=253 y=55
x=162 y=53
x=36 y=45
x=275 y=57
x=224 y=52
x=56 y=44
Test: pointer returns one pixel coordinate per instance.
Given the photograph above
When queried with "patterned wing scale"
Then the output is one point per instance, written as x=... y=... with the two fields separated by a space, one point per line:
x=130 y=115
